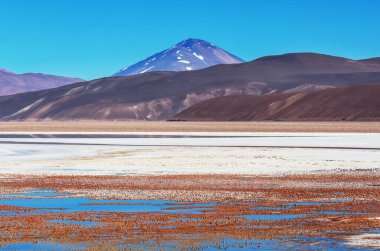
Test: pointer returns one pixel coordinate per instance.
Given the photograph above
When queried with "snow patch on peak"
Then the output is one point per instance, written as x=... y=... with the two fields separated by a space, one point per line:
x=147 y=69
x=198 y=56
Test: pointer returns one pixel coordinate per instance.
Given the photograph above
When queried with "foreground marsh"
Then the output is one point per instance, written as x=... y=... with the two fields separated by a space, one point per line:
x=191 y=211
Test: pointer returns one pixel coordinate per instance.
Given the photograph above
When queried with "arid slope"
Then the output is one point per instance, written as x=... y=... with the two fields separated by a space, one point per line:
x=358 y=103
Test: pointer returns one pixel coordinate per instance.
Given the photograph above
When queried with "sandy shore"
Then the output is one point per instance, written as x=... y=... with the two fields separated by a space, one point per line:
x=144 y=126
x=198 y=153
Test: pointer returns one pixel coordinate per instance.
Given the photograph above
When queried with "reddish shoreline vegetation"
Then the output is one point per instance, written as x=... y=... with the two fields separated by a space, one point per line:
x=202 y=211
x=187 y=127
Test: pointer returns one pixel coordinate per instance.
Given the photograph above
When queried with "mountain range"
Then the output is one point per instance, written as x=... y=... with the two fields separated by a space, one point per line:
x=190 y=54
x=161 y=95
x=11 y=83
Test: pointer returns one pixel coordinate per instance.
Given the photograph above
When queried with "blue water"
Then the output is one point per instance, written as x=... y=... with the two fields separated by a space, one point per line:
x=41 y=246
x=73 y=222
x=37 y=193
x=273 y=216
x=48 y=201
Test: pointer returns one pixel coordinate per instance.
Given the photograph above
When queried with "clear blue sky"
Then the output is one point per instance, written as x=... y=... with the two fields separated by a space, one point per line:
x=95 y=38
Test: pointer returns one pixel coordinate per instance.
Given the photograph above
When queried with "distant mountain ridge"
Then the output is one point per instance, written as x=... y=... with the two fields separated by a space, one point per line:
x=371 y=60
x=190 y=54
x=12 y=83
x=5 y=71
x=161 y=95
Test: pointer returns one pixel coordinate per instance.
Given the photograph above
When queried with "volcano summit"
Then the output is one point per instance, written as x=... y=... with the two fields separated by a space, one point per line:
x=190 y=54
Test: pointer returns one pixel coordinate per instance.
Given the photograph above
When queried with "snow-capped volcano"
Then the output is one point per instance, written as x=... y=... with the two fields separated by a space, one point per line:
x=191 y=54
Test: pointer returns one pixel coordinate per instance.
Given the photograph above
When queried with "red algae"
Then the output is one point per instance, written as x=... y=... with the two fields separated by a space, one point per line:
x=349 y=204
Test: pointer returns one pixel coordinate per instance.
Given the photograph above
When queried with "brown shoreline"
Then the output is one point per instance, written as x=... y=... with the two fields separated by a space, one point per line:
x=173 y=126
x=204 y=187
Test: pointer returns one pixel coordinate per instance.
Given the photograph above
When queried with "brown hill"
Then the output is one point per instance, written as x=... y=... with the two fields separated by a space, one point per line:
x=358 y=103
x=161 y=95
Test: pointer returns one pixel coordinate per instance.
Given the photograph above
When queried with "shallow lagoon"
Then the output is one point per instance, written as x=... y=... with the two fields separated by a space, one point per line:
x=52 y=202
